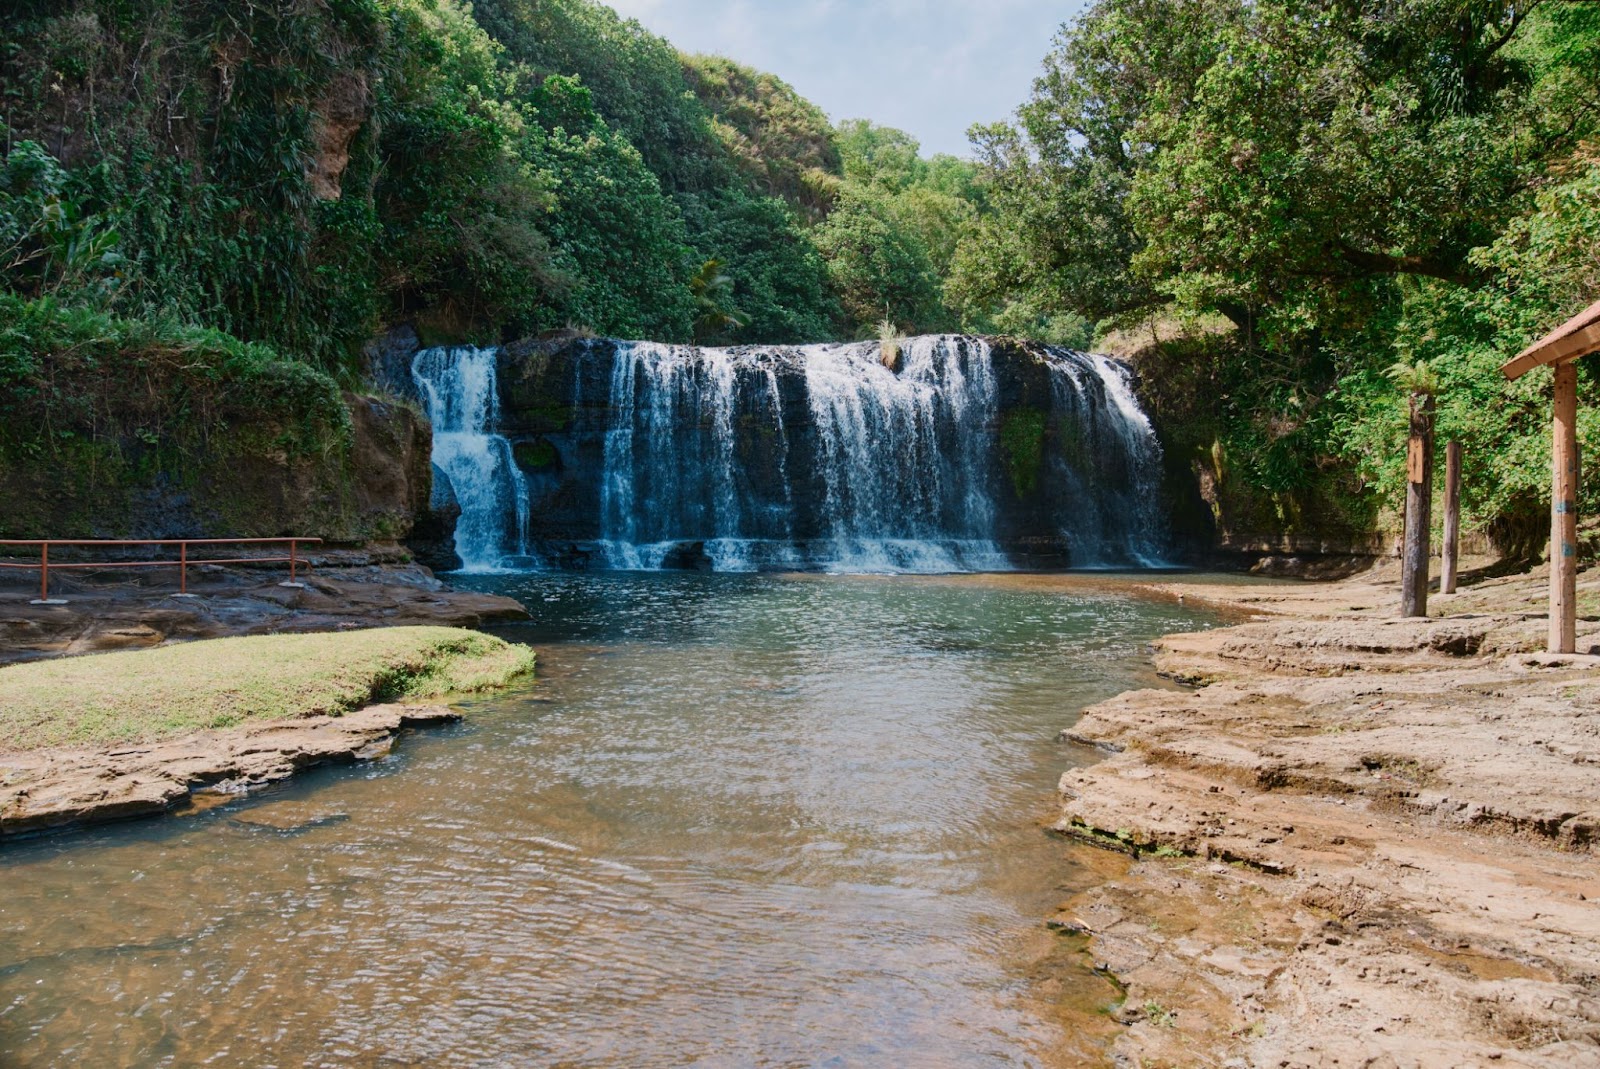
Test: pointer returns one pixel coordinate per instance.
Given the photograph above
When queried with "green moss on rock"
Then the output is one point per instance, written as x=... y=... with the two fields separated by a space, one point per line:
x=538 y=455
x=117 y=428
x=1022 y=440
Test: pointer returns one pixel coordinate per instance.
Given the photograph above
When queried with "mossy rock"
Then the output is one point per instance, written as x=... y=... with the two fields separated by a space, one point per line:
x=1022 y=440
x=537 y=456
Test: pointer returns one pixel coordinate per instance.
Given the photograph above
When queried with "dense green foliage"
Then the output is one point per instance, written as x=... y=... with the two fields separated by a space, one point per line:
x=302 y=175
x=95 y=410
x=1340 y=185
x=1267 y=204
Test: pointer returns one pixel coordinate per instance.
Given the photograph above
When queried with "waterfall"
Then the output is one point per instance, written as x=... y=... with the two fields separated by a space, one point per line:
x=1109 y=463
x=644 y=456
x=904 y=456
x=670 y=469
x=461 y=392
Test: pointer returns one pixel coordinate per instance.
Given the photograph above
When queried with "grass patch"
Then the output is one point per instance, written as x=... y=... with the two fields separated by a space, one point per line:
x=144 y=695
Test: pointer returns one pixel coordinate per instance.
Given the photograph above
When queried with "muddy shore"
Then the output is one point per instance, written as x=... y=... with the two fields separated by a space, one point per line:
x=1358 y=841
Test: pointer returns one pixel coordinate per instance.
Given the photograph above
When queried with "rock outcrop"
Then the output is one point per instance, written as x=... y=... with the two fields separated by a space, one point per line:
x=374 y=487
x=58 y=788
x=236 y=601
x=1365 y=841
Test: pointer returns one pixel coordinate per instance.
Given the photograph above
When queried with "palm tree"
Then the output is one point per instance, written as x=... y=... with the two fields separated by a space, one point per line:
x=714 y=314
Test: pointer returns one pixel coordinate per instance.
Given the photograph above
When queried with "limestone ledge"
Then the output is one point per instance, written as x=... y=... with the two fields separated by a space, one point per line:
x=1366 y=842
x=48 y=789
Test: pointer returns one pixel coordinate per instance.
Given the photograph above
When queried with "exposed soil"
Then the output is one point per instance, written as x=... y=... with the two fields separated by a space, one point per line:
x=1364 y=841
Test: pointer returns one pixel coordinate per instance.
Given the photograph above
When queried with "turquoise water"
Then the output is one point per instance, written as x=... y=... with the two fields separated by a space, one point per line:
x=738 y=821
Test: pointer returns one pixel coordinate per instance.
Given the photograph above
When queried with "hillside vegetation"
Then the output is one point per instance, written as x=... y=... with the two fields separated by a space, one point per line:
x=1305 y=194
x=1266 y=205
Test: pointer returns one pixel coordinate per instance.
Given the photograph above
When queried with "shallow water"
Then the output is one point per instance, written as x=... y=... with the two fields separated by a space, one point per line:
x=739 y=821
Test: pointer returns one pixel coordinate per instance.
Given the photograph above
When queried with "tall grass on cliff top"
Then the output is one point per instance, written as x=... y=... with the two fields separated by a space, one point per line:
x=144 y=695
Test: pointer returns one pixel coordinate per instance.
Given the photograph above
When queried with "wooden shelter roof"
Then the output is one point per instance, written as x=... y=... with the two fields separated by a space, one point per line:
x=1577 y=337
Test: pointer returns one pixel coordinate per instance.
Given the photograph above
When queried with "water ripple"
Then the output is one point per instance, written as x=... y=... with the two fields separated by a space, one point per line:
x=742 y=821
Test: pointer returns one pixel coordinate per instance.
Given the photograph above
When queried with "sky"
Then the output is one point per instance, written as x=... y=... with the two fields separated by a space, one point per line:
x=929 y=67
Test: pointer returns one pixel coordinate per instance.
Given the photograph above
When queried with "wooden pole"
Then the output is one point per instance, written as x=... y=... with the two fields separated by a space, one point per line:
x=1452 y=518
x=1564 y=513
x=1419 y=509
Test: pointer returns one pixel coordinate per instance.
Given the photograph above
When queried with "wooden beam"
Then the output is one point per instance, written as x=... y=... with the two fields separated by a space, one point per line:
x=1564 y=513
x=1419 y=509
x=1452 y=518
x=1569 y=347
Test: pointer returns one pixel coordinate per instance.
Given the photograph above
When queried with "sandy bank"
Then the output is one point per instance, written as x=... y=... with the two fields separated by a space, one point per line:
x=1365 y=841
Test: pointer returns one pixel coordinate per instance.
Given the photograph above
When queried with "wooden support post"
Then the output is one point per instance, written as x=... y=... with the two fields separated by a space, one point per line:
x=1452 y=518
x=1419 y=509
x=1564 y=513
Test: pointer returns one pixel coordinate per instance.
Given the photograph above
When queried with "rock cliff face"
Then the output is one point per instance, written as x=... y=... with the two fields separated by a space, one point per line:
x=374 y=489
x=976 y=452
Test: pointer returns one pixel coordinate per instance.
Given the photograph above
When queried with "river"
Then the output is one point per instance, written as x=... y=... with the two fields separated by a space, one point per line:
x=739 y=820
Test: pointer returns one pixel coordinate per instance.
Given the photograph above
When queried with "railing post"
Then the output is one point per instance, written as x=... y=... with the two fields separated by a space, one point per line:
x=294 y=563
x=1419 y=508
x=183 y=567
x=44 y=577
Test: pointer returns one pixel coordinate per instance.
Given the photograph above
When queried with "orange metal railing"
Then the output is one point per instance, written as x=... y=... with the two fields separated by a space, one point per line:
x=44 y=565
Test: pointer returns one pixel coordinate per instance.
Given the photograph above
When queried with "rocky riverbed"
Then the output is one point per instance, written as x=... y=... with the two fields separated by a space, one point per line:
x=1361 y=841
x=348 y=591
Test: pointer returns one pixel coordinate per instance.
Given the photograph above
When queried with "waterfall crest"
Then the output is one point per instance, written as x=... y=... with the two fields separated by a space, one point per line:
x=460 y=389
x=944 y=457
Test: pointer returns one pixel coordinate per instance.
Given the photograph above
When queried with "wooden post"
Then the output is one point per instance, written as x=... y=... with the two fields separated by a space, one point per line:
x=1419 y=509
x=1452 y=518
x=1564 y=513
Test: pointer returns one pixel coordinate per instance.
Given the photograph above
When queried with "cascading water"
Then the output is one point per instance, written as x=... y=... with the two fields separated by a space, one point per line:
x=670 y=458
x=462 y=395
x=903 y=457
x=1113 y=469
x=660 y=456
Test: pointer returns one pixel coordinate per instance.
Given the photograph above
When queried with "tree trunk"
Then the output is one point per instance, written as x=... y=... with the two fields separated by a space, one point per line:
x=1452 y=518
x=1419 y=509
x=1564 y=514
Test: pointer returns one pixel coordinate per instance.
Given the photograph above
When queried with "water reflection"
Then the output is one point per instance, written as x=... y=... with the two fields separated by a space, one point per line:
x=740 y=821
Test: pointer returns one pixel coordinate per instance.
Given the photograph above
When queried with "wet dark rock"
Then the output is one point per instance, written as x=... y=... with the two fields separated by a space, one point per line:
x=556 y=408
x=103 y=613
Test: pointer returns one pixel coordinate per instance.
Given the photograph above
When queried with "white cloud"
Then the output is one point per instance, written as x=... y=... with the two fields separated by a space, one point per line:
x=931 y=67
